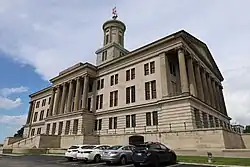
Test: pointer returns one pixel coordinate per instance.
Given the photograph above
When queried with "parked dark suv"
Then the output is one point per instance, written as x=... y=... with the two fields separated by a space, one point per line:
x=152 y=154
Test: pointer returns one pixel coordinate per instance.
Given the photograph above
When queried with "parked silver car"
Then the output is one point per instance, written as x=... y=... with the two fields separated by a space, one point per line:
x=118 y=154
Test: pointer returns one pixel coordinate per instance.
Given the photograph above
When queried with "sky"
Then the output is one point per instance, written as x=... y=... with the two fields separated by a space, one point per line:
x=38 y=39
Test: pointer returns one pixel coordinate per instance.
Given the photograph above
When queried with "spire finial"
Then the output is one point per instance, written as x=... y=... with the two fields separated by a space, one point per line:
x=114 y=12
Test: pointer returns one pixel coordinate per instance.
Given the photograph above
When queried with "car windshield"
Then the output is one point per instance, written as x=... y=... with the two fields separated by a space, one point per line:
x=114 y=147
x=88 y=147
x=142 y=147
x=74 y=147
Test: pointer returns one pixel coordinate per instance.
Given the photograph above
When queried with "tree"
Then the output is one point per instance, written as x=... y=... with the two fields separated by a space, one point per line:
x=19 y=132
x=247 y=129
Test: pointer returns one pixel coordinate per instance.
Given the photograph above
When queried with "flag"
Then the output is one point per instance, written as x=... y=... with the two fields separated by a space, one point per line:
x=114 y=11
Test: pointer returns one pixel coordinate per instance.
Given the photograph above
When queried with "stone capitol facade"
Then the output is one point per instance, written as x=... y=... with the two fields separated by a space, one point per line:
x=169 y=90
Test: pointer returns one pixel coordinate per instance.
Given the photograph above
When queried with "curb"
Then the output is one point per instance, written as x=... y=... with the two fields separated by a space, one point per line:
x=212 y=165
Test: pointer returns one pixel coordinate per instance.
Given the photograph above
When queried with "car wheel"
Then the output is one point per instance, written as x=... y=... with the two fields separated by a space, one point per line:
x=97 y=159
x=123 y=160
x=173 y=159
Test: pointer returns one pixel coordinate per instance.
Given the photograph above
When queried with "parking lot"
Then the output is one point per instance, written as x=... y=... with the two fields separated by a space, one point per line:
x=54 y=161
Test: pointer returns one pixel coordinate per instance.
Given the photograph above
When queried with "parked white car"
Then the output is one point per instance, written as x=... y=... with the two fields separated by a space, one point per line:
x=91 y=153
x=71 y=153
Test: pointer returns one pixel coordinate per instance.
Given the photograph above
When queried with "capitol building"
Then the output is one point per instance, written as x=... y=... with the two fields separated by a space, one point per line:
x=169 y=90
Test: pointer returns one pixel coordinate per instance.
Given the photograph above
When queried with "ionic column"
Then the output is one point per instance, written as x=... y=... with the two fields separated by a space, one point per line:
x=58 y=95
x=211 y=93
x=65 y=90
x=199 y=85
x=183 y=71
x=70 y=95
x=216 y=100
x=192 y=83
x=78 y=92
x=165 y=75
x=51 y=107
x=85 y=91
x=205 y=86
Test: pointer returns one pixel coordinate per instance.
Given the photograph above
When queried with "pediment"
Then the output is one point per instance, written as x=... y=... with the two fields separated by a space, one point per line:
x=203 y=52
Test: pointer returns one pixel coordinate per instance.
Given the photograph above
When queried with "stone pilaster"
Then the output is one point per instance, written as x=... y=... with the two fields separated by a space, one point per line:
x=183 y=71
x=224 y=110
x=51 y=106
x=65 y=90
x=58 y=95
x=78 y=92
x=85 y=91
x=30 y=112
x=70 y=96
x=199 y=84
x=94 y=89
x=165 y=75
x=192 y=83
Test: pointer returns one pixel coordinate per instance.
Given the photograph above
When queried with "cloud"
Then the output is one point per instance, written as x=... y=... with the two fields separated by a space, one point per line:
x=8 y=91
x=53 y=35
x=13 y=120
x=6 y=102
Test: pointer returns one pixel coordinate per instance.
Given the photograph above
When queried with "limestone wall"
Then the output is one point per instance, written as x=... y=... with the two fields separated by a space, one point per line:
x=67 y=141
x=49 y=141
x=246 y=139
x=192 y=139
x=11 y=140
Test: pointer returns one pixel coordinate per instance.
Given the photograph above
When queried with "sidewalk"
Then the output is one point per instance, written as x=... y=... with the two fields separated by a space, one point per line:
x=211 y=165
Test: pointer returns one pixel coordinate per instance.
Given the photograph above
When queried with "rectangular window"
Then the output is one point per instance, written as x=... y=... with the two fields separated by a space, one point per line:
x=133 y=117
x=37 y=104
x=148 y=119
x=39 y=131
x=127 y=121
x=152 y=67
x=98 y=84
x=75 y=126
x=116 y=78
x=211 y=120
x=132 y=73
x=112 y=80
x=35 y=117
x=102 y=83
x=101 y=101
x=120 y=39
x=153 y=89
x=97 y=101
x=47 y=114
x=132 y=94
x=53 y=128
x=67 y=127
x=60 y=128
x=116 y=98
x=100 y=124
x=115 y=122
x=41 y=115
x=96 y=125
x=104 y=55
x=147 y=90
x=33 y=132
x=172 y=69
x=111 y=100
x=216 y=122
x=110 y=122
x=47 y=129
x=197 y=118
x=128 y=95
x=107 y=39
x=155 y=118
x=146 y=69
x=205 y=120
x=49 y=100
x=89 y=104
x=43 y=102
x=127 y=75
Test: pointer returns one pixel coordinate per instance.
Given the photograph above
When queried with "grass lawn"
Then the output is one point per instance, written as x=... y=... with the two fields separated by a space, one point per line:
x=216 y=160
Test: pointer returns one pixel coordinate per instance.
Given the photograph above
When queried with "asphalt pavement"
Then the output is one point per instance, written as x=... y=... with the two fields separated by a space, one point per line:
x=57 y=161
